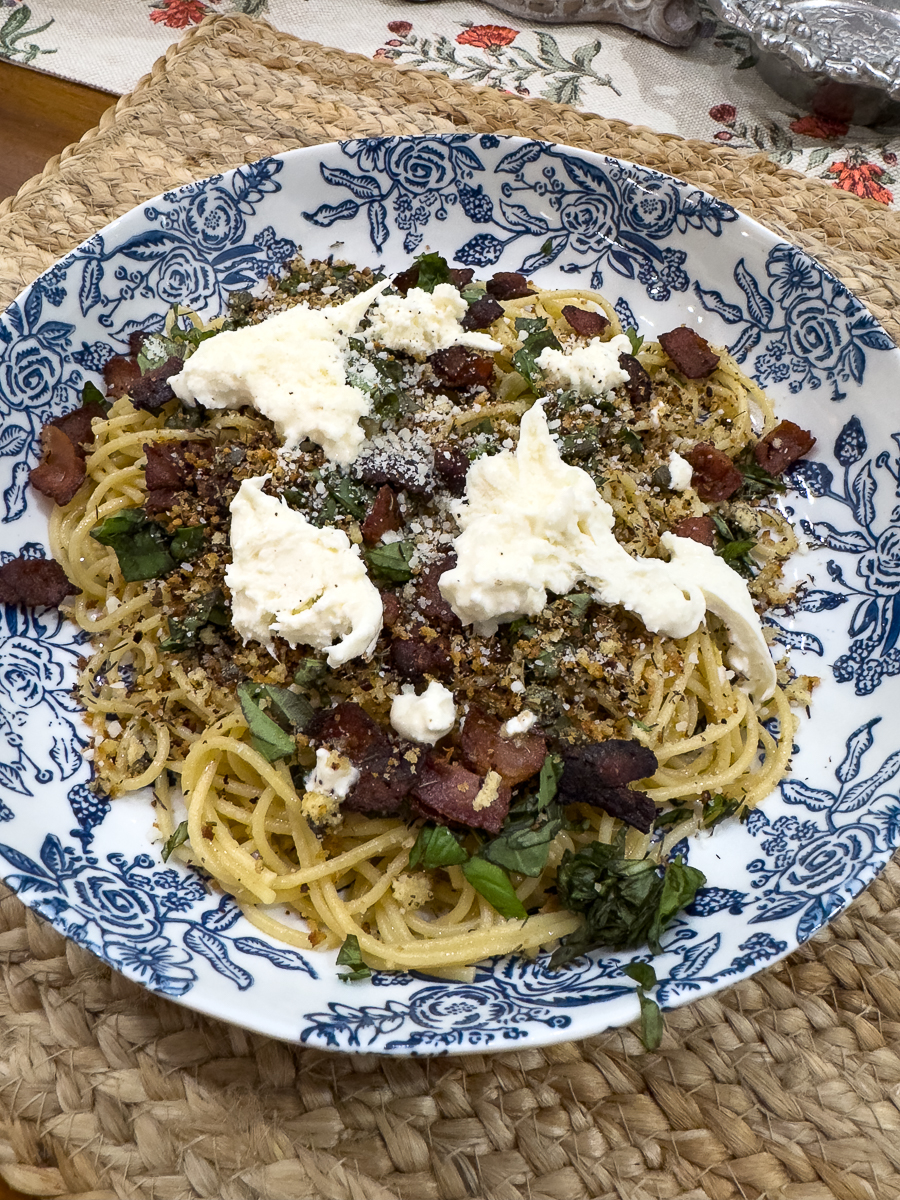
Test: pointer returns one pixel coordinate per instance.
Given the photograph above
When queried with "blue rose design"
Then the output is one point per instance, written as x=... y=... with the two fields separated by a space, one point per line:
x=30 y=373
x=817 y=331
x=420 y=166
x=590 y=221
x=830 y=861
x=464 y=1008
x=214 y=219
x=882 y=564
x=653 y=208
x=117 y=908
x=183 y=279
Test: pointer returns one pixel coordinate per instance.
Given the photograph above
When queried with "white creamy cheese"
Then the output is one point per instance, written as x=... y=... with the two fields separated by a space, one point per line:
x=426 y=718
x=333 y=774
x=290 y=578
x=532 y=524
x=680 y=472
x=421 y=322
x=519 y=724
x=291 y=368
x=590 y=370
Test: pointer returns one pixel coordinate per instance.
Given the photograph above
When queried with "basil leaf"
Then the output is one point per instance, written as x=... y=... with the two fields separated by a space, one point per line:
x=294 y=708
x=718 y=808
x=548 y=781
x=528 y=325
x=632 y=441
x=391 y=562
x=91 y=394
x=580 y=602
x=524 y=845
x=187 y=542
x=492 y=882
x=266 y=736
x=651 y=1014
x=355 y=498
x=525 y=360
x=433 y=269
x=140 y=545
x=680 y=886
x=436 y=846
x=674 y=816
x=350 y=956
x=178 y=837
x=636 y=342
x=186 y=416
x=642 y=973
x=208 y=610
x=309 y=672
x=757 y=481
x=736 y=546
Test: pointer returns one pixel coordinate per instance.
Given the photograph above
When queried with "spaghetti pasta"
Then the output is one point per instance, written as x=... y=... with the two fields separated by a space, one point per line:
x=173 y=695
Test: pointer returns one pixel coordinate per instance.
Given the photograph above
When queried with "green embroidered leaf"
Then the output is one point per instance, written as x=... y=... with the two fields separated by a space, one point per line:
x=140 y=545
x=266 y=736
x=391 y=562
x=350 y=956
x=436 y=846
x=492 y=882
x=178 y=838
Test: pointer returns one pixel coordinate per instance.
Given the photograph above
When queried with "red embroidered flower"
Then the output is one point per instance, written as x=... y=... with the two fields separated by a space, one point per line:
x=890 y=158
x=723 y=113
x=724 y=135
x=401 y=28
x=859 y=177
x=819 y=127
x=178 y=14
x=487 y=37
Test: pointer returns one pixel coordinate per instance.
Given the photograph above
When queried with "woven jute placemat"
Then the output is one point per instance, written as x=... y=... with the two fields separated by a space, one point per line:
x=786 y=1086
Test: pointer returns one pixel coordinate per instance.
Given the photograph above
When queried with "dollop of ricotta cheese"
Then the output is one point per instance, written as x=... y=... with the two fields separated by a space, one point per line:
x=426 y=718
x=589 y=369
x=290 y=578
x=292 y=368
x=421 y=322
x=680 y=472
x=531 y=524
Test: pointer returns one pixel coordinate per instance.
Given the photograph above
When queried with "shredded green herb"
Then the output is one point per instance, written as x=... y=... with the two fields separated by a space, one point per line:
x=350 y=956
x=178 y=838
x=651 y=1014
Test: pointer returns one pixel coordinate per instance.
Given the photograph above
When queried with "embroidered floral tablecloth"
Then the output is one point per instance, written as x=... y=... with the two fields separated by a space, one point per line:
x=709 y=90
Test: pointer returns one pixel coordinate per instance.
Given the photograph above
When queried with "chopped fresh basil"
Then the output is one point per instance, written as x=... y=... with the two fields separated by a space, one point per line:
x=266 y=736
x=187 y=542
x=624 y=902
x=641 y=725
x=547 y=247
x=91 y=394
x=391 y=562
x=631 y=441
x=140 y=545
x=186 y=416
x=718 y=808
x=178 y=837
x=309 y=672
x=525 y=360
x=672 y=816
x=185 y=632
x=734 y=548
x=651 y=1014
x=472 y=292
x=523 y=845
x=757 y=482
x=528 y=325
x=492 y=882
x=433 y=269
x=350 y=956
x=636 y=342
x=354 y=497
x=580 y=602
x=436 y=846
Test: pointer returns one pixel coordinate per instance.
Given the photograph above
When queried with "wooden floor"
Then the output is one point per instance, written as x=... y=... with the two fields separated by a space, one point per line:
x=39 y=115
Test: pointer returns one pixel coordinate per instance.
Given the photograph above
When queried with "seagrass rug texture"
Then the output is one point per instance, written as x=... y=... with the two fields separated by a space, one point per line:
x=785 y=1087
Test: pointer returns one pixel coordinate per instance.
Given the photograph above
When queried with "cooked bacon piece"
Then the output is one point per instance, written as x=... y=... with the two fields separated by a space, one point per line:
x=782 y=447
x=76 y=425
x=690 y=352
x=429 y=600
x=445 y=792
x=390 y=609
x=599 y=775
x=136 y=341
x=639 y=384
x=482 y=313
x=404 y=474
x=484 y=748
x=461 y=277
x=458 y=367
x=415 y=657
x=153 y=390
x=34 y=583
x=383 y=516
x=451 y=465
x=508 y=285
x=585 y=322
x=698 y=529
x=60 y=473
x=120 y=374
x=715 y=475
x=386 y=765
x=168 y=470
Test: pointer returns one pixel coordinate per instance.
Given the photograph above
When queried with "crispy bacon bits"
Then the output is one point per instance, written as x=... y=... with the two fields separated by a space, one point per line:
x=484 y=748
x=61 y=471
x=690 y=352
x=584 y=321
x=600 y=774
x=482 y=313
x=782 y=447
x=387 y=765
x=458 y=367
x=152 y=390
x=416 y=656
x=508 y=285
x=169 y=470
x=430 y=602
x=451 y=465
x=34 y=583
x=715 y=475
x=447 y=792
x=698 y=529
x=384 y=516
x=120 y=374
x=639 y=384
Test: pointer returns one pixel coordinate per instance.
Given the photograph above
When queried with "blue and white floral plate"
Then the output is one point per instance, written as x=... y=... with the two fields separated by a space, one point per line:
x=664 y=253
